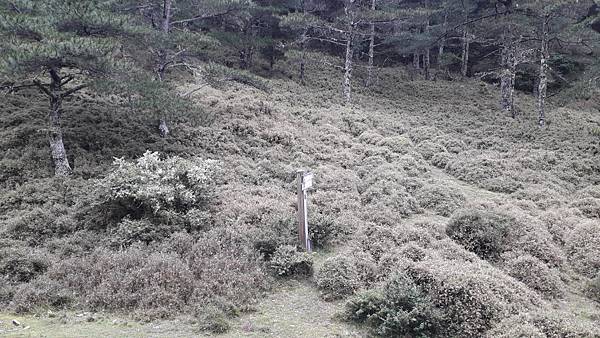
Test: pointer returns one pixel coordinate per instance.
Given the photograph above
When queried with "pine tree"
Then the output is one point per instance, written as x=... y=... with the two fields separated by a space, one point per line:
x=67 y=43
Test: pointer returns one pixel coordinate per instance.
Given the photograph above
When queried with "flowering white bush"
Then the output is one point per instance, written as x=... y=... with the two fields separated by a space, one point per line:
x=172 y=183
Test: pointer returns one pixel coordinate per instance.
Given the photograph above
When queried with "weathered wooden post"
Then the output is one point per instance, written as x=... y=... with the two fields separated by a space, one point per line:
x=305 y=180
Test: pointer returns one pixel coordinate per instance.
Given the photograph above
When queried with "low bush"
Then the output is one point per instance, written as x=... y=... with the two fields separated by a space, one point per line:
x=397 y=144
x=441 y=160
x=440 y=199
x=392 y=195
x=583 y=248
x=590 y=206
x=421 y=134
x=472 y=295
x=156 y=284
x=399 y=309
x=43 y=293
x=545 y=323
x=542 y=196
x=128 y=232
x=227 y=270
x=38 y=224
x=428 y=149
x=323 y=230
x=22 y=264
x=287 y=261
x=593 y=288
x=483 y=232
x=338 y=278
x=535 y=274
x=451 y=144
x=212 y=319
x=151 y=184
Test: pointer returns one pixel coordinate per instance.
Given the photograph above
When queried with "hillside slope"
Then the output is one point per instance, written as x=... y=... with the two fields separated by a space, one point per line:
x=495 y=220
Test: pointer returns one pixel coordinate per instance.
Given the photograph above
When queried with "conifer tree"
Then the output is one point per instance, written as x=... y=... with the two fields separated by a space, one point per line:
x=60 y=47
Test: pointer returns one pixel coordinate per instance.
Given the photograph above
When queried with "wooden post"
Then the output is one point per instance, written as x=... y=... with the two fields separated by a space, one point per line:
x=304 y=183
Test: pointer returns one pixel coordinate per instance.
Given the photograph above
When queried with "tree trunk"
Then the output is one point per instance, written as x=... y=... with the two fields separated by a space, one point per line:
x=348 y=70
x=507 y=76
x=371 y=48
x=465 y=52
x=442 y=41
x=427 y=64
x=165 y=28
x=303 y=55
x=427 y=51
x=57 y=147
x=166 y=19
x=543 y=78
x=416 y=61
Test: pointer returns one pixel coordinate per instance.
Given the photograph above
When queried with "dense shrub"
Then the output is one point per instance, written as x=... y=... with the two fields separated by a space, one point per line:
x=399 y=309
x=392 y=195
x=22 y=264
x=441 y=160
x=535 y=274
x=429 y=149
x=323 y=230
x=228 y=272
x=338 y=278
x=545 y=323
x=451 y=144
x=440 y=199
x=583 y=248
x=481 y=231
x=157 y=284
x=287 y=261
x=589 y=206
x=473 y=296
x=41 y=292
x=542 y=196
x=151 y=184
x=37 y=224
x=130 y=231
x=593 y=288
x=398 y=144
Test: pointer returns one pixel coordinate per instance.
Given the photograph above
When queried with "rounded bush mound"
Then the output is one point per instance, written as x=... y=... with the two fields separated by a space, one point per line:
x=397 y=144
x=399 y=309
x=287 y=261
x=593 y=289
x=338 y=278
x=429 y=148
x=41 y=292
x=471 y=295
x=440 y=199
x=535 y=274
x=545 y=323
x=324 y=230
x=151 y=184
x=441 y=160
x=452 y=144
x=590 y=206
x=20 y=264
x=583 y=248
x=483 y=232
